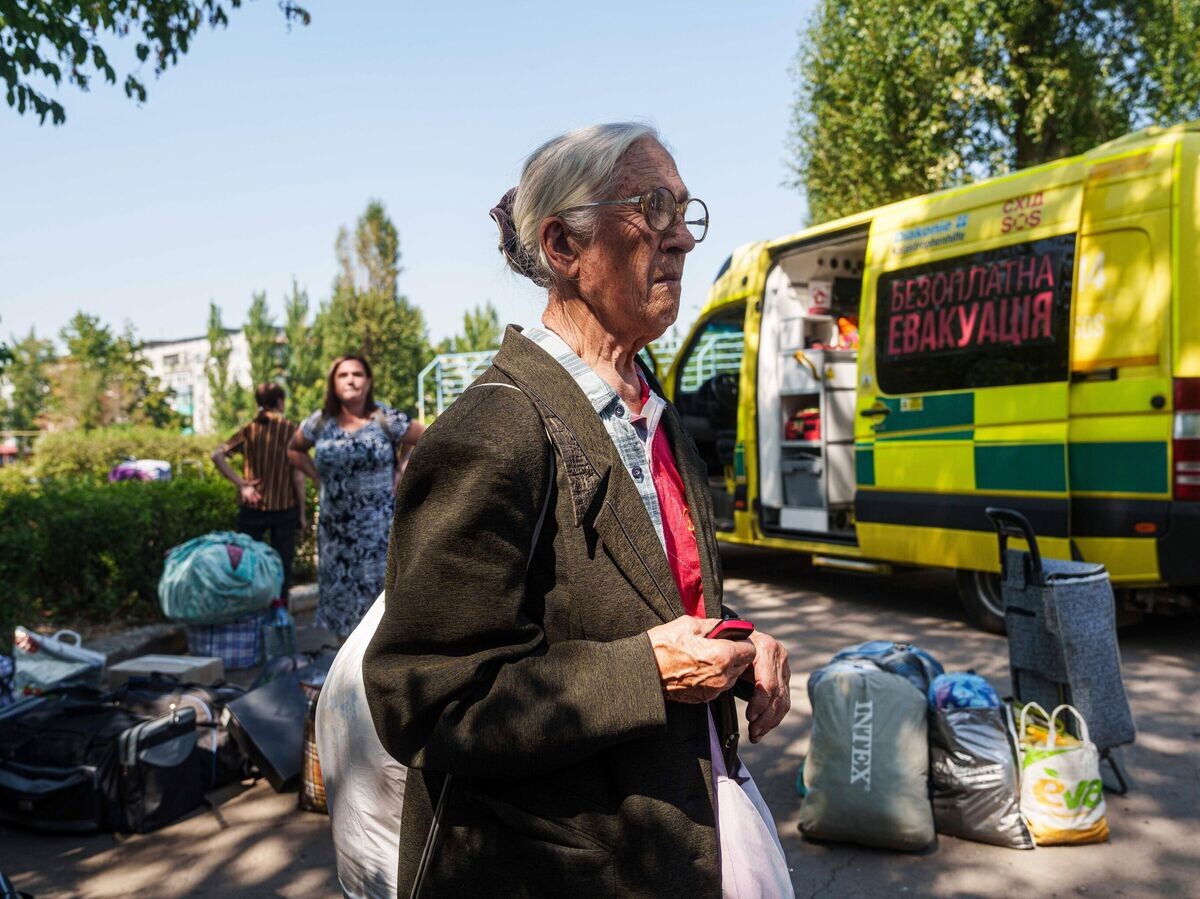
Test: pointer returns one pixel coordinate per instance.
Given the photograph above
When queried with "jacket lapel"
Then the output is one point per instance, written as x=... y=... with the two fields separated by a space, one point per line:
x=602 y=492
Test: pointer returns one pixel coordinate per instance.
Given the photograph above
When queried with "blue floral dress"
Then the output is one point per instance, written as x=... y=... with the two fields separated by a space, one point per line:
x=355 y=512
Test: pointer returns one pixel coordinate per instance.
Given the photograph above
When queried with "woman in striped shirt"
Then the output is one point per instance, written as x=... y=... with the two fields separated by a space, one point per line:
x=270 y=491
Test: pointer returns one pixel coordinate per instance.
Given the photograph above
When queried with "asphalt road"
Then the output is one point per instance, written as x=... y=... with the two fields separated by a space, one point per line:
x=256 y=843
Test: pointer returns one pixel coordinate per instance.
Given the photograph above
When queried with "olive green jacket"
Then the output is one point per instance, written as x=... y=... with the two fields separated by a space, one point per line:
x=525 y=671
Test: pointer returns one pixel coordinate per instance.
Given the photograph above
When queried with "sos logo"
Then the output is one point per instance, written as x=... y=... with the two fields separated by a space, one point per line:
x=1021 y=213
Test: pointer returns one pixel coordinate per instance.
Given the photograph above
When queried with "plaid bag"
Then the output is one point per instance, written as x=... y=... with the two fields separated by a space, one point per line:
x=238 y=644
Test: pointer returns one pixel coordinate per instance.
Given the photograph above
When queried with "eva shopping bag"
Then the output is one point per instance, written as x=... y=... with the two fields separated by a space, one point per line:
x=1062 y=796
x=48 y=663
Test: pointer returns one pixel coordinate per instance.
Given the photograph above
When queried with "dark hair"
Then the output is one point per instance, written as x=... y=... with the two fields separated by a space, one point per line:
x=268 y=395
x=332 y=404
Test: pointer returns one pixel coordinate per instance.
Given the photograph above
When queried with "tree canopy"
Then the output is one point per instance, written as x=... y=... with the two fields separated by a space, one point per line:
x=44 y=41
x=898 y=99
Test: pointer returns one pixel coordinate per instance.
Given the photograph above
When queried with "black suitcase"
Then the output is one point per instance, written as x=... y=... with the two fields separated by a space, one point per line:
x=76 y=764
x=156 y=695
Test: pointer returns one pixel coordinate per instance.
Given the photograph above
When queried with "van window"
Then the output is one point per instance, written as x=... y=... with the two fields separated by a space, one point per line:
x=706 y=393
x=985 y=319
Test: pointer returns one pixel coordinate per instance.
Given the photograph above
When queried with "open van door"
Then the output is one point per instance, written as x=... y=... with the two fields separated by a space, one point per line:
x=963 y=380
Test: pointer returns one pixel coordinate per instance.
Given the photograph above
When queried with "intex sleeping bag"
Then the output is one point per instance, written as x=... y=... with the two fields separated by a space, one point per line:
x=867 y=769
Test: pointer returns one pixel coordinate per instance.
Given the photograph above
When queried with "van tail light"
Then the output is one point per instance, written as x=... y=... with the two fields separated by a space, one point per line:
x=1185 y=445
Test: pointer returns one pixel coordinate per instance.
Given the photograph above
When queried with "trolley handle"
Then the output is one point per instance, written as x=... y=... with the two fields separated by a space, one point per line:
x=1011 y=523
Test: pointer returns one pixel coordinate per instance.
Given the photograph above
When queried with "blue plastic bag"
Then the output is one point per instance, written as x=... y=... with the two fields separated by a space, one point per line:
x=219 y=578
x=912 y=663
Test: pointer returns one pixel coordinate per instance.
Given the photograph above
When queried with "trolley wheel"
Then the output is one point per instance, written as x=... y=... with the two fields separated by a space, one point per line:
x=981 y=599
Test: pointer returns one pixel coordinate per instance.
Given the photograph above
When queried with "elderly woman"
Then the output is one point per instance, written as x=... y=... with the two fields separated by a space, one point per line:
x=570 y=729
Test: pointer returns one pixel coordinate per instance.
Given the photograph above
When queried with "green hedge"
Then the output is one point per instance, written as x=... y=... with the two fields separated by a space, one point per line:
x=92 y=454
x=74 y=552
x=75 y=549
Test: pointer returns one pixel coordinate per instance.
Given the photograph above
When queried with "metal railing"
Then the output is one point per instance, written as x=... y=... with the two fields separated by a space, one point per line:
x=715 y=353
x=444 y=379
x=451 y=374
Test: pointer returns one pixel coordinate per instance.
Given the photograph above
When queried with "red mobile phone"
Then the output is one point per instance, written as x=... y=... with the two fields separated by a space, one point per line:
x=731 y=629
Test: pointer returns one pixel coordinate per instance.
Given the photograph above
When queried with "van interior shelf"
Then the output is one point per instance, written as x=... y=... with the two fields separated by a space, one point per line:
x=812 y=393
x=801 y=444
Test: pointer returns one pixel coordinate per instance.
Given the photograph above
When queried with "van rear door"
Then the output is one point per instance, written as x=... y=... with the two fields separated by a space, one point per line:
x=963 y=382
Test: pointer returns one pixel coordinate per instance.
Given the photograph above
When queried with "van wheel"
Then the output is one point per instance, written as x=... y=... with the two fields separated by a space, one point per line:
x=981 y=599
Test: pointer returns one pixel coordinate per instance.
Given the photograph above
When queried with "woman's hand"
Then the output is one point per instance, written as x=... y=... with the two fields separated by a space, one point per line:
x=693 y=668
x=772 y=686
x=248 y=492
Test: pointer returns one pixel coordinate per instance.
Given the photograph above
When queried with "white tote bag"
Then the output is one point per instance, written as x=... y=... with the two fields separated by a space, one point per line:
x=1062 y=796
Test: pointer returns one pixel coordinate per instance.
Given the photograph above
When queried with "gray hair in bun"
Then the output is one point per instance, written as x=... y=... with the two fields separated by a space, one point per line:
x=573 y=168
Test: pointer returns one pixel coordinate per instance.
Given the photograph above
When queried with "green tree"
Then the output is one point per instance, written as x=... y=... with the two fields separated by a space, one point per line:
x=229 y=401
x=105 y=379
x=43 y=40
x=262 y=340
x=900 y=99
x=303 y=377
x=368 y=315
x=28 y=377
x=481 y=331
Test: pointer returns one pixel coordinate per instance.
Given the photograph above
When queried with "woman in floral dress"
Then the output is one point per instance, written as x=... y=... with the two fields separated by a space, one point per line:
x=359 y=446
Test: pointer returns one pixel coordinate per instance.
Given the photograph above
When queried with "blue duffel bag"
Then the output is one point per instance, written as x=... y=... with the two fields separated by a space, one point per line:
x=218 y=578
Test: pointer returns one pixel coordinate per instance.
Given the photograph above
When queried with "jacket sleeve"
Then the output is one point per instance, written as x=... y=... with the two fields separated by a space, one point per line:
x=459 y=676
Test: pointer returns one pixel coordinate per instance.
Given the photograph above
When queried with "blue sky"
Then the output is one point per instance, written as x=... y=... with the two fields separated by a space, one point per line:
x=236 y=173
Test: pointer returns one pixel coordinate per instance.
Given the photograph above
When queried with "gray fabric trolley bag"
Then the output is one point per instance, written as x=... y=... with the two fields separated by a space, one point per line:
x=1062 y=636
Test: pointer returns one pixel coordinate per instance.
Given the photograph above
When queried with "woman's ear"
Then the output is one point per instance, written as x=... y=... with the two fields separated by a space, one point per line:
x=560 y=248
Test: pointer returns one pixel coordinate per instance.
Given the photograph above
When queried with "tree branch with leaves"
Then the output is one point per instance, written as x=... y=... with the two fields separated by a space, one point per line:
x=43 y=42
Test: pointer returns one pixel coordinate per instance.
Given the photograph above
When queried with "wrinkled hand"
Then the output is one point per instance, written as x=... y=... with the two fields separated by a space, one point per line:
x=249 y=494
x=772 y=686
x=693 y=668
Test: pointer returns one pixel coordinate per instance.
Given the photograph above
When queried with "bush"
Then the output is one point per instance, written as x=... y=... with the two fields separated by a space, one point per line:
x=86 y=552
x=92 y=454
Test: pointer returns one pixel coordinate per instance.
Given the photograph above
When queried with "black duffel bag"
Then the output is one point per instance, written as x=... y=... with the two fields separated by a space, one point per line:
x=158 y=694
x=69 y=763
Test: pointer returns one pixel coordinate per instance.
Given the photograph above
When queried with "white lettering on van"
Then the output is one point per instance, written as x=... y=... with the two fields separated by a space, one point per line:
x=860 y=744
x=1092 y=270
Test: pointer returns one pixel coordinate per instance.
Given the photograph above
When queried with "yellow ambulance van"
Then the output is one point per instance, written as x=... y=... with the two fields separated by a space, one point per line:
x=864 y=389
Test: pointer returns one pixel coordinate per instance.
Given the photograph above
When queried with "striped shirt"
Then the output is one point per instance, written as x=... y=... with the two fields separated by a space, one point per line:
x=632 y=442
x=263 y=446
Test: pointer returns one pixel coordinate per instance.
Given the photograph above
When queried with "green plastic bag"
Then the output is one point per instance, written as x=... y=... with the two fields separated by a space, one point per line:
x=219 y=578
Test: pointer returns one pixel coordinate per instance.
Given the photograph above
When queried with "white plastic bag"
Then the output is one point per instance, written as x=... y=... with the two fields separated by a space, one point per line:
x=364 y=785
x=753 y=864
x=1062 y=795
x=47 y=663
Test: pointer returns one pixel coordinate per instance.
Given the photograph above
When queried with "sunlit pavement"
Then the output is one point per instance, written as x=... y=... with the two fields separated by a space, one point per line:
x=1154 y=849
x=255 y=842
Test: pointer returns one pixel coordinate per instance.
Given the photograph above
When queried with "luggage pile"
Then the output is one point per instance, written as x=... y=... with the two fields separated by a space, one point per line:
x=902 y=751
x=141 y=755
x=221 y=587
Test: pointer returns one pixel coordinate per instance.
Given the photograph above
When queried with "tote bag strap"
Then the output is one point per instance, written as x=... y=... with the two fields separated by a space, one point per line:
x=1083 y=728
x=1021 y=736
x=435 y=828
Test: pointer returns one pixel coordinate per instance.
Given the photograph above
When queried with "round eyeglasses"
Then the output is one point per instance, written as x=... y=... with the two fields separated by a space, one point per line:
x=661 y=211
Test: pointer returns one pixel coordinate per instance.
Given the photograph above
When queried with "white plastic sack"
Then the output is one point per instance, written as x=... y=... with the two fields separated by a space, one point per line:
x=364 y=785
x=1062 y=795
x=47 y=663
x=753 y=864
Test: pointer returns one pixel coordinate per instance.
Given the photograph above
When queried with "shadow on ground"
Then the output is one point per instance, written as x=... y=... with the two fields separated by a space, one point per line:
x=1153 y=849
